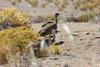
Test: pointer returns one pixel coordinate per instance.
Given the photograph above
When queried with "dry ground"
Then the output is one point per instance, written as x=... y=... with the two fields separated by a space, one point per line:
x=83 y=52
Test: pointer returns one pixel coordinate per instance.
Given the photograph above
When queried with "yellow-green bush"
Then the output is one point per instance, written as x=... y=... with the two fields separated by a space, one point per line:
x=56 y=50
x=13 y=16
x=87 y=4
x=16 y=37
x=34 y=3
x=15 y=40
x=60 y=5
x=13 y=2
x=85 y=17
x=51 y=50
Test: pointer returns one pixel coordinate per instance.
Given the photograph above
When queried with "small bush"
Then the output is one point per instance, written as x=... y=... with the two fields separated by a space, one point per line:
x=85 y=17
x=19 y=36
x=34 y=3
x=55 y=50
x=87 y=4
x=15 y=17
x=15 y=40
x=13 y=2
x=51 y=50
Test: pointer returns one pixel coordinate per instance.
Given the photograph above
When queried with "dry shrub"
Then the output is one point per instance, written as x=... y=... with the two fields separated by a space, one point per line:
x=85 y=17
x=55 y=50
x=51 y=50
x=17 y=38
x=34 y=3
x=14 y=39
x=13 y=2
x=87 y=4
x=13 y=16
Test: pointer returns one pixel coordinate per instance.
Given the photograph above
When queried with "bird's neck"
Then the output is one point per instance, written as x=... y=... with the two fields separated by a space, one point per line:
x=56 y=20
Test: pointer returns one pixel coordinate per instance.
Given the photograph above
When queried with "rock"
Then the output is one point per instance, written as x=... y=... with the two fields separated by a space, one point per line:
x=54 y=58
x=75 y=34
x=65 y=64
x=87 y=33
x=97 y=36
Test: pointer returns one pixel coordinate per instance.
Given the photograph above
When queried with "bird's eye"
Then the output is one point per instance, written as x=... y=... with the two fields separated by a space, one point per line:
x=51 y=36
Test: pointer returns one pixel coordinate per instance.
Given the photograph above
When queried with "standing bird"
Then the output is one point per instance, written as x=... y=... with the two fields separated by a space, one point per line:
x=49 y=27
x=47 y=39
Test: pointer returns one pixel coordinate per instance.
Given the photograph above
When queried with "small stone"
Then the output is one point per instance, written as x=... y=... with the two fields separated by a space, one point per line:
x=81 y=39
x=75 y=34
x=87 y=33
x=65 y=65
x=54 y=58
x=97 y=37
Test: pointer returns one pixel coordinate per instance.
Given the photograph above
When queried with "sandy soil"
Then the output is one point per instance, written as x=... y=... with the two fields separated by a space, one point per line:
x=83 y=52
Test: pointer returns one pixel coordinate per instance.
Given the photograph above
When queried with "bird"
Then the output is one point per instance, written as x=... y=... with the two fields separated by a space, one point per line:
x=49 y=27
x=47 y=37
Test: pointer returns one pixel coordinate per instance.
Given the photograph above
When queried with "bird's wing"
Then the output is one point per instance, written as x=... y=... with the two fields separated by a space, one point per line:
x=46 y=24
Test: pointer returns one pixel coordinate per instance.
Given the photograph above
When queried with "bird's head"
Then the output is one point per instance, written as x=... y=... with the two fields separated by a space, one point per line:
x=57 y=14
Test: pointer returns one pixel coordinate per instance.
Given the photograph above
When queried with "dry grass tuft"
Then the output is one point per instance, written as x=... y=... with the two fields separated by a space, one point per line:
x=15 y=40
x=85 y=17
x=13 y=16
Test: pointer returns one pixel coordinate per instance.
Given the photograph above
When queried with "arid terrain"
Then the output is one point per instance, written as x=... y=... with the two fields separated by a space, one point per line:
x=83 y=52
x=83 y=20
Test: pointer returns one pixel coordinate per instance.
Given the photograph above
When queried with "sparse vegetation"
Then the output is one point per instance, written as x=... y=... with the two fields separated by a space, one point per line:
x=56 y=50
x=85 y=17
x=45 y=18
x=34 y=3
x=88 y=4
x=21 y=20
x=60 y=5
x=16 y=18
x=16 y=38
